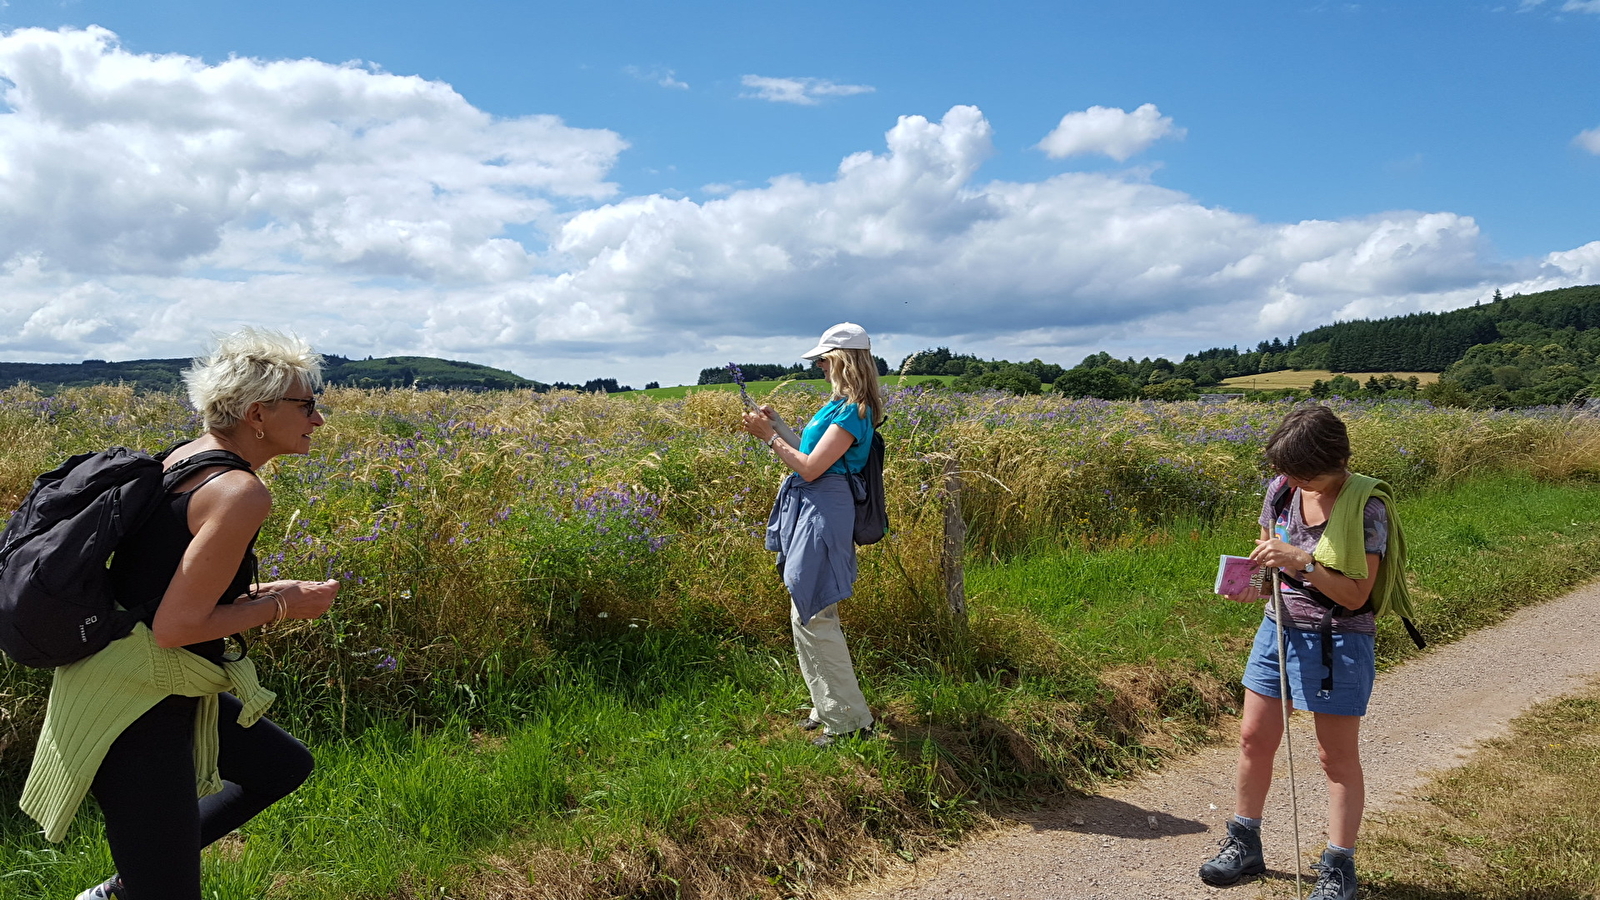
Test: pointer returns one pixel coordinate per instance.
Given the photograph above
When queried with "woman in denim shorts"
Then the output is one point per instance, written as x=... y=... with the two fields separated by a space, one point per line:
x=1329 y=562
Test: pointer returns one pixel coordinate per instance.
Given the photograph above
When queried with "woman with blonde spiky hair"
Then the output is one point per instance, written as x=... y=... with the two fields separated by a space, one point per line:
x=164 y=714
x=813 y=522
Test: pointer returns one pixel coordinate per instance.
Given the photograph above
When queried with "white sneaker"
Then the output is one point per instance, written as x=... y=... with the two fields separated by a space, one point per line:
x=110 y=889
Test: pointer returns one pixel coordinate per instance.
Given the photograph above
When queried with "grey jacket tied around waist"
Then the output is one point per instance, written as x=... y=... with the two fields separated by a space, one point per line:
x=812 y=531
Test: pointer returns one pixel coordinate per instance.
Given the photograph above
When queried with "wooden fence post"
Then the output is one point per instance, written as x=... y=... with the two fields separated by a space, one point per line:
x=955 y=544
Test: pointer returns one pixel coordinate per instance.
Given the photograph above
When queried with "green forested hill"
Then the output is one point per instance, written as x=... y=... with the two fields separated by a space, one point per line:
x=1512 y=351
x=1431 y=342
x=419 y=371
x=162 y=374
x=1521 y=350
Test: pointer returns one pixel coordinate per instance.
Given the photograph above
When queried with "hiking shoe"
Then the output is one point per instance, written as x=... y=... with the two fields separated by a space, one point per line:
x=1239 y=855
x=110 y=889
x=808 y=724
x=828 y=740
x=1336 y=877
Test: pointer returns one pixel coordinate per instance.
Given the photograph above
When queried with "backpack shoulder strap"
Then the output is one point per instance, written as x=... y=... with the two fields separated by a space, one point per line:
x=205 y=459
x=1280 y=500
x=875 y=444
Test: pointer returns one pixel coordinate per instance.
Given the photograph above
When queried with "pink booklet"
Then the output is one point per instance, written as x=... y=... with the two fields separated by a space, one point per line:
x=1238 y=575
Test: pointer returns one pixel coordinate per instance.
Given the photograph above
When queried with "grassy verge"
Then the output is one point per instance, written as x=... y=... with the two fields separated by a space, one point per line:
x=1520 y=820
x=661 y=760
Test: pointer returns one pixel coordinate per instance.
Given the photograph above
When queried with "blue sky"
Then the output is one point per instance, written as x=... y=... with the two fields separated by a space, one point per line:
x=1253 y=169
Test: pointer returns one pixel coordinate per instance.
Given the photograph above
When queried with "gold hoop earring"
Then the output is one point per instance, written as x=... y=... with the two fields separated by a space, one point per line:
x=261 y=435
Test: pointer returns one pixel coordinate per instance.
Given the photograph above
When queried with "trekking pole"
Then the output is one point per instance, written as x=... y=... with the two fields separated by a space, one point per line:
x=1278 y=613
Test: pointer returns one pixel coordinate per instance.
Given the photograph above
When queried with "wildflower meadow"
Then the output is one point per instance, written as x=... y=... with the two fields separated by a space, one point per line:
x=559 y=664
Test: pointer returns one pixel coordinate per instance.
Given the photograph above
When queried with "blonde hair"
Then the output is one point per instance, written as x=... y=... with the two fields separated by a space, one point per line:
x=252 y=365
x=854 y=376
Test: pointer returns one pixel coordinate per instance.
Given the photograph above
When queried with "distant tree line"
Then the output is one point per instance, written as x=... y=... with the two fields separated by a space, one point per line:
x=773 y=372
x=975 y=374
x=423 y=372
x=592 y=386
x=1521 y=350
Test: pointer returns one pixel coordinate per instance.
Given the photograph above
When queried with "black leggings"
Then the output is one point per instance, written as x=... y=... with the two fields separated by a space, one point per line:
x=146 y=789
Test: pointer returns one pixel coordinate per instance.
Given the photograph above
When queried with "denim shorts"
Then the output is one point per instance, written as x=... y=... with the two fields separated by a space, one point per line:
x=1354 y=669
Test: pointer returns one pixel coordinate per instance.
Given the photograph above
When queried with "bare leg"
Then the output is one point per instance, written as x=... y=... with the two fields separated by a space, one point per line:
x=1339 y=748
x=1259 y=735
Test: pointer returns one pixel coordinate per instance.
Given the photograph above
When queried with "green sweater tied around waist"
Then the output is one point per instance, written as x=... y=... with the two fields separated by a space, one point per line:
x=93 y=700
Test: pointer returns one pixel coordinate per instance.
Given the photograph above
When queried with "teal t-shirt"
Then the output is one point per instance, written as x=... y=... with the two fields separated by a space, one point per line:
x=840 y=412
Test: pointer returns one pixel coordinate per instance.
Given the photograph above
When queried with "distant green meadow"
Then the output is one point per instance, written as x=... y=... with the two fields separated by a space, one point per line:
x=560 y=664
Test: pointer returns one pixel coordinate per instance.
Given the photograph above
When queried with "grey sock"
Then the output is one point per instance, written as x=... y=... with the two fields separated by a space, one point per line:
x=1252 y=824
x=1342 y=851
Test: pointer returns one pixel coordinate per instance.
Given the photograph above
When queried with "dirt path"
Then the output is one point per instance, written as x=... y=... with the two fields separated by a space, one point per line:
x=1145 y=839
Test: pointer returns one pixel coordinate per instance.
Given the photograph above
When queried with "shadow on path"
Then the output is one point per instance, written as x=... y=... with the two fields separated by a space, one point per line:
x=1112 y=818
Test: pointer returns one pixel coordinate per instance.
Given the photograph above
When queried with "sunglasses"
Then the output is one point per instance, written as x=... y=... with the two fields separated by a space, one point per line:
x=308 y=405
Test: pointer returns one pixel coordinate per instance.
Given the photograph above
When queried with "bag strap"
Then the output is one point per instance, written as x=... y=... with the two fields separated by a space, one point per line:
x=875 y=437
x=229 y=462
x=205 y=459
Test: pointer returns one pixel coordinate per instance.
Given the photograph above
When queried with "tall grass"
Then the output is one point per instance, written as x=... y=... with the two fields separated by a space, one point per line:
x=478 y=534
x=560 y=664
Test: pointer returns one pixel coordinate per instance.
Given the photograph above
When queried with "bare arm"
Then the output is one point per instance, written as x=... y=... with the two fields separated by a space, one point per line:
x=223 y=516
x=810 y=466
x=1350 y=593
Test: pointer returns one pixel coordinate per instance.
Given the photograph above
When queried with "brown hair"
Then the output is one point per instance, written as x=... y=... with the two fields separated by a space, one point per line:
x=854 y=376
x=1310 y=441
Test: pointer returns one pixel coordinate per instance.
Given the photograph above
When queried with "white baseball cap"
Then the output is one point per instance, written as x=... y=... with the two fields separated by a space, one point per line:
x=845 y=335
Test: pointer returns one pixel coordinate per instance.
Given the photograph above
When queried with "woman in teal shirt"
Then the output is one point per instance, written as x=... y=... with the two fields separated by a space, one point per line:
x=813 y=521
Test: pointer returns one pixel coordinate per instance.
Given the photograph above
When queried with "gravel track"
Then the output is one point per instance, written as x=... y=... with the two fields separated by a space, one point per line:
x=1145 y=838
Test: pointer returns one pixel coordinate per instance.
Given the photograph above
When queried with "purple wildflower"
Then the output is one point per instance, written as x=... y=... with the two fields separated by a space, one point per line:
x=738 y=379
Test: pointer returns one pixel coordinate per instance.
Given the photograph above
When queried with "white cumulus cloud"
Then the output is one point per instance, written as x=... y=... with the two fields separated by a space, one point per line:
x=1114 y=132
x=801 y=91
x=151 y=200
x=909 y=241
x=1589 y=140
x=118 y=163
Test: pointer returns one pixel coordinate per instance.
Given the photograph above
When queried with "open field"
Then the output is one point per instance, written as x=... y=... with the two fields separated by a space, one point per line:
x=560 y=666
x=1292 y=378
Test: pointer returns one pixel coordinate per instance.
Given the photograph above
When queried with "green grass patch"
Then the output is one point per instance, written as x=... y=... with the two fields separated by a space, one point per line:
x=1520 y=820
x=1478 y=551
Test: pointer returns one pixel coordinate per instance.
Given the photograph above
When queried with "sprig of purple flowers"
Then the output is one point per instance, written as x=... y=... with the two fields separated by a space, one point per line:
x=738 y=379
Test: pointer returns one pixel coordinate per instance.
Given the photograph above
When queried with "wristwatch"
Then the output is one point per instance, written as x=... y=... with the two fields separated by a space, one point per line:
x=1311 y=566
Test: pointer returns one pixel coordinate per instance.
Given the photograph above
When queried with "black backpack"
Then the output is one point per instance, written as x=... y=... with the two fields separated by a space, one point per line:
x=866 y=488
x=57 y=603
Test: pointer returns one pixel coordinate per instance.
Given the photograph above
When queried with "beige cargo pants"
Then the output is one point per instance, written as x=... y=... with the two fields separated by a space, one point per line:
x=825 y=662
